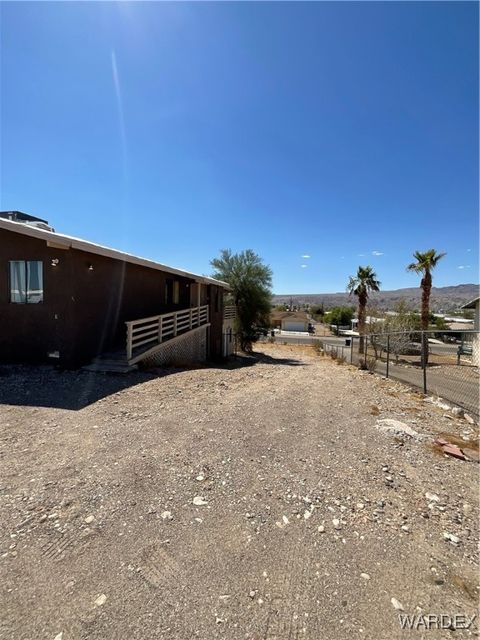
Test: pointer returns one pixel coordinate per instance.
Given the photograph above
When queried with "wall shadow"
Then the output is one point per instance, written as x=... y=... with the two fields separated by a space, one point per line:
x=47 y=386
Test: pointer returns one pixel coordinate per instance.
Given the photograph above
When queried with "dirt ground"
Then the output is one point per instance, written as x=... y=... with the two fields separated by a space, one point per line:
x=261 y=500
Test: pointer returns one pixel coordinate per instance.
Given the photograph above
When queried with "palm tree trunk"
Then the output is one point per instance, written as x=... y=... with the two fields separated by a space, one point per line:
x=426 y=285
x=362 y=312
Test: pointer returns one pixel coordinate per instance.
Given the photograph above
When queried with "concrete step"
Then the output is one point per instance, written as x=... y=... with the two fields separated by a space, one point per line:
x=111 y=362
x=113 y=356
x=110 y=367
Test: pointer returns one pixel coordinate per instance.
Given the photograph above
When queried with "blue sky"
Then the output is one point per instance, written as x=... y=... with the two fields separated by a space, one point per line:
x=346 y=132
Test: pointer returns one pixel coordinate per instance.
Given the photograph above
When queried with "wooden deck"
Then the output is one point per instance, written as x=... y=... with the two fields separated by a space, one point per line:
x=144 y=336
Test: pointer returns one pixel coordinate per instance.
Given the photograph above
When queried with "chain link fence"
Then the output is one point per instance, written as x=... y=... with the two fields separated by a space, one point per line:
x=441 y=363
x=444 y=363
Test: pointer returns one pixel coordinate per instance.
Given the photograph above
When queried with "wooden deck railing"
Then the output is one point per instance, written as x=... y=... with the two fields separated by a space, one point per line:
x=229 y=312
x=146 y=333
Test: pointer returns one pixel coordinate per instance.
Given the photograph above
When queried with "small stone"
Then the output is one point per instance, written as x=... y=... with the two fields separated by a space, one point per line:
x=432 y=497
x=321 y=529
x=365 y=576
x=405 y=528
x=200 y=478
x=397 y=605
x=467 y=509
x=283 y=523
x=59 y=636
x=166 y=515
x=458 y=412
x=307 y=515
x=451 y=538
x=101 y=600
x=469 y=419
x=396 y=427
x=360 y=506
x=199 y=501
x=252 y=594
x=89 y=519
x=336 y=523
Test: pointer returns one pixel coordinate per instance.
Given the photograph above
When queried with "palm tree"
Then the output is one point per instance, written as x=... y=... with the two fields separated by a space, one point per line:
x=361 y=285
x=425 y=263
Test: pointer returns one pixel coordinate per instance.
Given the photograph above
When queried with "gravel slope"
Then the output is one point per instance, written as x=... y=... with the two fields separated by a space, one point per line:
x=305 y=498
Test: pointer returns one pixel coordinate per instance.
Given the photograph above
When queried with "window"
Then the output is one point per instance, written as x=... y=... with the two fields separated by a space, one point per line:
x=26 y=281
x=172 y=291
x=176 y=292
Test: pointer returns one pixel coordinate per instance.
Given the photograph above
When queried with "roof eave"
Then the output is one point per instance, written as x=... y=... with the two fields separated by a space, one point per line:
x=471 y=305
x=97 y=249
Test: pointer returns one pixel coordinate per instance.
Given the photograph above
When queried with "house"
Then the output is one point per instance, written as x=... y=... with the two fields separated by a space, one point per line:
x=67 y=300
x=290 y=320
x=369 y=320
x=475 y=304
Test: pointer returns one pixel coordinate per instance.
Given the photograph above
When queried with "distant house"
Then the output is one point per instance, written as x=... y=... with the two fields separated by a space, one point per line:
x=69 y=301
x=368 y=320
x=290 y=320
x=475 y=304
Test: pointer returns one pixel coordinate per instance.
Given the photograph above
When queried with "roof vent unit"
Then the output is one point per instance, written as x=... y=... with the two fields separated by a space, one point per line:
x=39 y=225
x=26 y=218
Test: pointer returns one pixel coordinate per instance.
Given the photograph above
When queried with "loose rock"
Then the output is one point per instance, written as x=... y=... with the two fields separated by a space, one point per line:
x=101 y=600
x=451 y=538
x=397 y=604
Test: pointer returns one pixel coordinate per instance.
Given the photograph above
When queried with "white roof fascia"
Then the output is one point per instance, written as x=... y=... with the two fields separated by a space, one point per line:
x=69 y=242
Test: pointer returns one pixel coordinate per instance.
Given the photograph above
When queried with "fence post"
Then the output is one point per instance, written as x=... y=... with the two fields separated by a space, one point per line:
x=424 y=362
x=174 y=324
x=352 y=342
x=129 y=341
x=388 y=355
x=160 y=329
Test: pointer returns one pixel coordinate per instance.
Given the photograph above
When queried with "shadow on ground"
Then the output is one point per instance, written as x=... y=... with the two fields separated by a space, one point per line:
x=47 y=386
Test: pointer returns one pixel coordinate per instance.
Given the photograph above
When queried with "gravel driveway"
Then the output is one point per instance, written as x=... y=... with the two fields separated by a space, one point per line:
x=258 y=501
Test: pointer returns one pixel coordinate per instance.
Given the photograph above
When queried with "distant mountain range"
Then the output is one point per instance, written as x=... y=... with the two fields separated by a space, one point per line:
x=442 y=298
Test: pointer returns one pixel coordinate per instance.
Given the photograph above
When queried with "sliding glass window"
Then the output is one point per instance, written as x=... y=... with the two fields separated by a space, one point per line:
x=26 y=281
